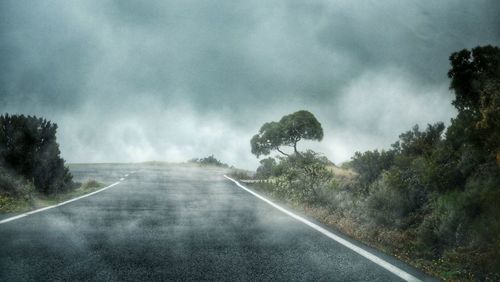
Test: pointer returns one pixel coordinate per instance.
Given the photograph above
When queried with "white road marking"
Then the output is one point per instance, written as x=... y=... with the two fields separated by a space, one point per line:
x=57 y=205
x=388 y=266
x=121 y=179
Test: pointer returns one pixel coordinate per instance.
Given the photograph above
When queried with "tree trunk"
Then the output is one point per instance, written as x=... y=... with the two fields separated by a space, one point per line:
x=278 y=149
x=295 y=148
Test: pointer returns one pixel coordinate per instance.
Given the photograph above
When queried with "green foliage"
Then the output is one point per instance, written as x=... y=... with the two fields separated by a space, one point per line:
x=266 y=169
x=300 y=125
x=14 y=186
x=14 y=204
x=209 y=161
x=91 y=184
x=388 y=206
x=287 y=132
x=471 y=73
x=29 y=148
x=469 y=217
x=15 y=192
x=447 y=187
x=302 y=178
x=240 y=174
x=270 y=138
x=475 y=78
x=370 y=164
x=417 y=143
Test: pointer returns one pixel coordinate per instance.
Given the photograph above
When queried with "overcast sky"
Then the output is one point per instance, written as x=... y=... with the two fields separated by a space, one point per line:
x=173 y=80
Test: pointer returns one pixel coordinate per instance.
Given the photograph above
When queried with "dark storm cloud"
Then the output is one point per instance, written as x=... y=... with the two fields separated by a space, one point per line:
x=170 y=80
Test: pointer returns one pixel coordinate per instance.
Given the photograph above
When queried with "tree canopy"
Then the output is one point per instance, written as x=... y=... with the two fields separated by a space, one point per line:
x=287 y=132
x=475 y=79
x=473 y=73
x=29 y=148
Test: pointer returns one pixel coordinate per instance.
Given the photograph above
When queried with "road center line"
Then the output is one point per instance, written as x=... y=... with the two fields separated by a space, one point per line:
x=57 y=205
x=379 y=261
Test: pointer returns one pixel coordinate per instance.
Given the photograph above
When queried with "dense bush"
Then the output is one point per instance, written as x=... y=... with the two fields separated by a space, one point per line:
x=14 y=186
x=370 y=165
x=91 y=184
x=299 y=177
x=267 y=168
x=208 y=161
x=28 y=147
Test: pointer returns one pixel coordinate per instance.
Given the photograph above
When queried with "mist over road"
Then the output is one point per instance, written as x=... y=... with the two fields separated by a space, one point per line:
x=172 y=223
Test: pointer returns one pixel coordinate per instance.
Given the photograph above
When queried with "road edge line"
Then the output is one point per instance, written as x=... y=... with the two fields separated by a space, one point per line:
x=57 y=205
x=366 y=254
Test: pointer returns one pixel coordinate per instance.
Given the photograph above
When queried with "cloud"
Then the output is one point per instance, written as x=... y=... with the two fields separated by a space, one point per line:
x=170 y=80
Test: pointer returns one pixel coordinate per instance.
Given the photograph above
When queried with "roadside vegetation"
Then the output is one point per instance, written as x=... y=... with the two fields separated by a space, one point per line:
x=209 y=161
x=32 y=173
x=432 y=199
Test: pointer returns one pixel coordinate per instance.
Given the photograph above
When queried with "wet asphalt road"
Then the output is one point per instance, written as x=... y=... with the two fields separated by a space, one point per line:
x=172 y=223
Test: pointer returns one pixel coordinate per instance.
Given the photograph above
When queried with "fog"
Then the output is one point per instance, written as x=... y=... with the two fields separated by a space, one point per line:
x=172 y=222
x=164 y=222
x=130 y=81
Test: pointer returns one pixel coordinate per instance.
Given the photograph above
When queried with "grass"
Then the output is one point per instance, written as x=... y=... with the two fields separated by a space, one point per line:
x=14 y=205
x=35 y=201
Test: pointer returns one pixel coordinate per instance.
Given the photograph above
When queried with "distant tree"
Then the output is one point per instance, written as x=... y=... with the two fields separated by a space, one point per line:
x=270 y=137
x=287 y=132
x=208 y=161
x=28 y=147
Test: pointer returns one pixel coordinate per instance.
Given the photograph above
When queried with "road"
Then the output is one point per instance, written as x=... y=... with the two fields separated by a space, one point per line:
x=174 y=223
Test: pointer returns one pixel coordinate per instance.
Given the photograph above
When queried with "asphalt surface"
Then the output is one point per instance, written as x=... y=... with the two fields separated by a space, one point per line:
x=172 y=223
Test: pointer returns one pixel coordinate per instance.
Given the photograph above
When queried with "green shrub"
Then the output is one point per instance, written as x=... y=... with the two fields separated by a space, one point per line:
x=387 y=206
x=469 y=217
x=14 y=186
x=28 y=147
x=419 y=143
x=90 y=184
x=266 y=169
x=240 y=174
x=303 y=177
x=15 y=192
x=370 y=165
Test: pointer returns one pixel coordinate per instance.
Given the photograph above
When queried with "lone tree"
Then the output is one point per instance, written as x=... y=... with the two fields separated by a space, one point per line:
x=287 y=132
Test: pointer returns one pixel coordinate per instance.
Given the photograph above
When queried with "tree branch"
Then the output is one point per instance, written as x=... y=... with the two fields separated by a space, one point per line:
x=278 y=149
